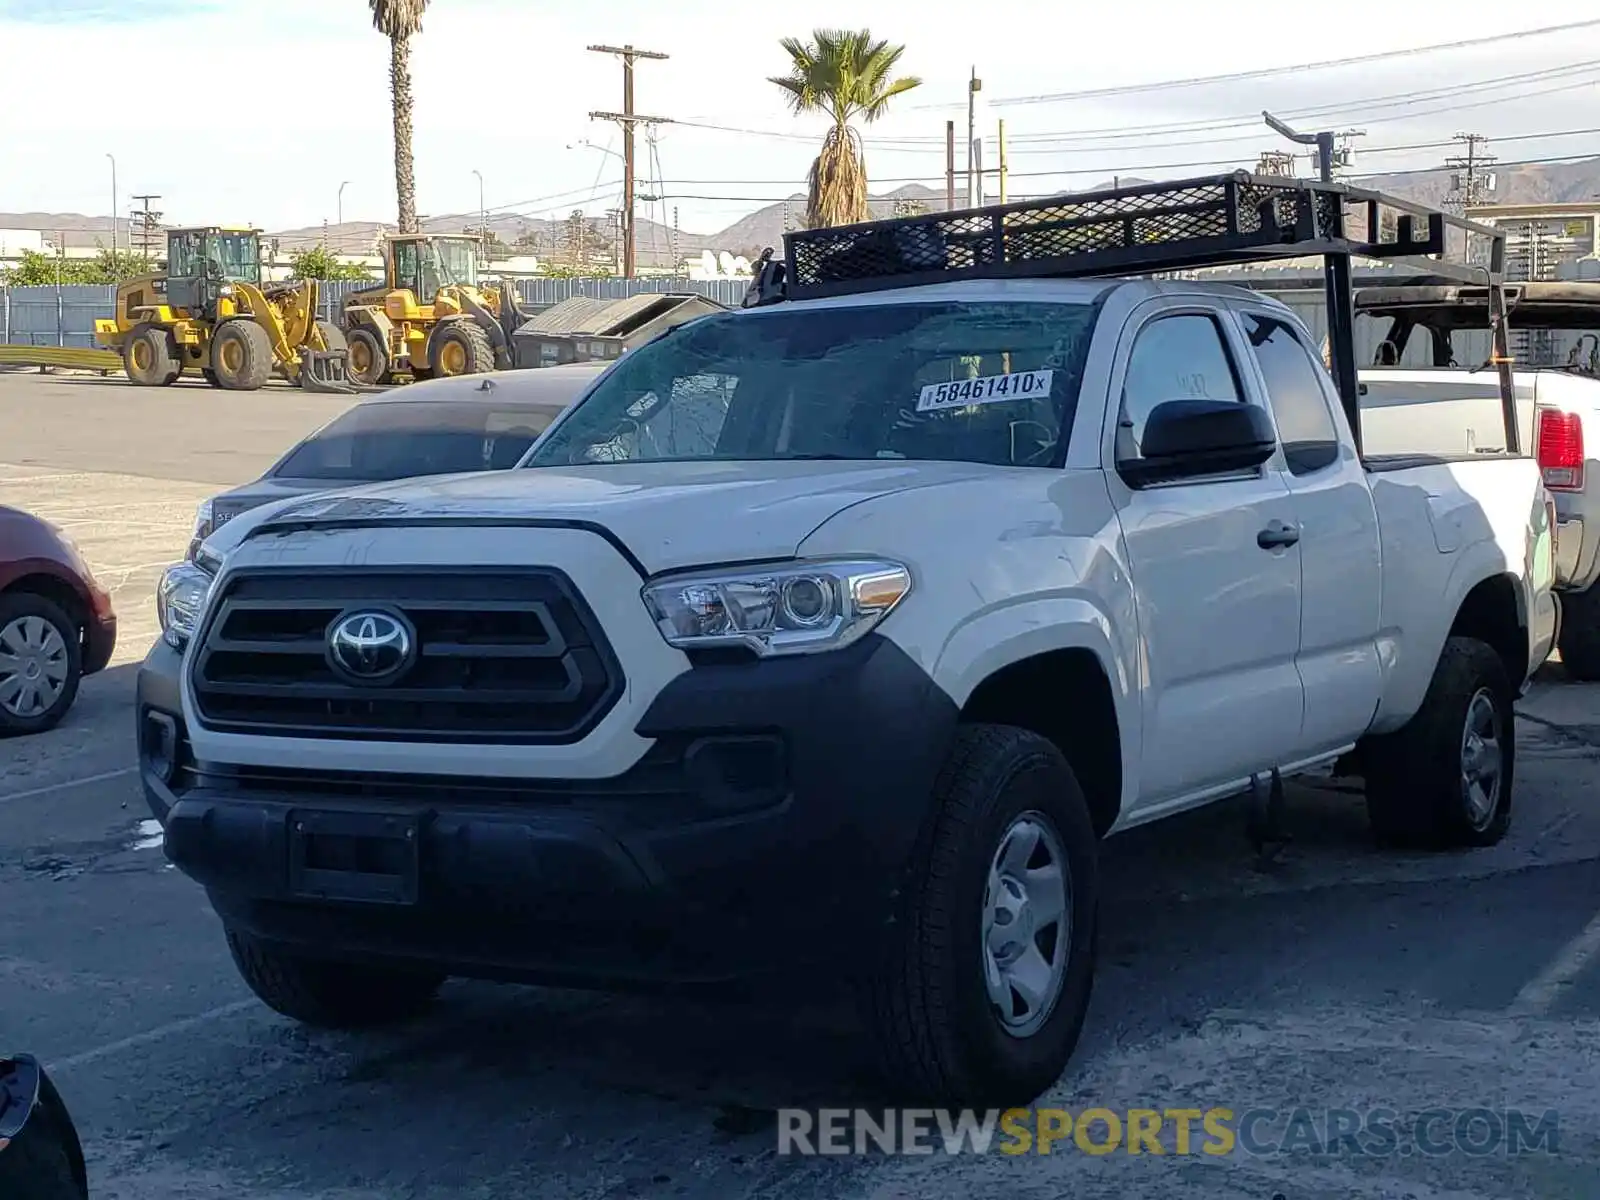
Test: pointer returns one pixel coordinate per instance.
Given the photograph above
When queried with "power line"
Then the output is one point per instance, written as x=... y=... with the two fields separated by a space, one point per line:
x=1469 y=186
x=1349 y=110
x=1138 y=89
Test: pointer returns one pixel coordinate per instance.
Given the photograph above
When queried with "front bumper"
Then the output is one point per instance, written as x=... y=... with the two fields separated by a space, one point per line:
x=771 y=825
x=99 y=643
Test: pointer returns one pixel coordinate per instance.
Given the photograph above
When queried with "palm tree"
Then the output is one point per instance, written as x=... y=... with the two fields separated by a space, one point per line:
x=398 y=20
x=846 y=74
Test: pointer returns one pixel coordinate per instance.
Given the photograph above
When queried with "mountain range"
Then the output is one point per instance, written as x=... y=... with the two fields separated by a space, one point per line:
x=550 y=239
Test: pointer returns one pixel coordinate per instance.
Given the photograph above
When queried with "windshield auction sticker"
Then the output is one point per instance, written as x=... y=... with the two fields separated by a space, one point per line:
x=990 y=389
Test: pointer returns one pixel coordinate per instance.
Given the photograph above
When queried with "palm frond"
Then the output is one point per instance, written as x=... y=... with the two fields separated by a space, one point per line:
x=397 y=18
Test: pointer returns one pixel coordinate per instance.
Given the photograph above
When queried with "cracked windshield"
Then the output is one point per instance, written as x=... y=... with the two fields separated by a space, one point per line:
x=842 y=602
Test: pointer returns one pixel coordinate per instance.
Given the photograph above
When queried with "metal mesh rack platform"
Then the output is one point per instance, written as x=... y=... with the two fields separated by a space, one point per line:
x=1218 y=220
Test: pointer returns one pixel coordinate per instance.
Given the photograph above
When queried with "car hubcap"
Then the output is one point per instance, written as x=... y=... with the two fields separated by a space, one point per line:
x=1482 y=759
x=1027 y=924
x=33 y=666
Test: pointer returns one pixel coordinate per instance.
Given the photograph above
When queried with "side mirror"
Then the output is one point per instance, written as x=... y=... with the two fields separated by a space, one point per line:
x=1184 y=439
x=41 y=1157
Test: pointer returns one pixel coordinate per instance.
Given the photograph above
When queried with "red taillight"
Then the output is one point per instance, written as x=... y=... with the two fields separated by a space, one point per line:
x=1561 y=450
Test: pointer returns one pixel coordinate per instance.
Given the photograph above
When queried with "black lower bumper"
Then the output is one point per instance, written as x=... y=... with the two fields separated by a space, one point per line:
x=770 y=826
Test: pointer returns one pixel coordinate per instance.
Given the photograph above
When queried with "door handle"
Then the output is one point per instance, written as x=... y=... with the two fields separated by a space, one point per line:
x=1278 y=535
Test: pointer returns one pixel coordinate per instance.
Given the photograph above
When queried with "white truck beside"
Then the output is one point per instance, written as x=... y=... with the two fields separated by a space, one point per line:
x=1433 y=387
x=835 y=633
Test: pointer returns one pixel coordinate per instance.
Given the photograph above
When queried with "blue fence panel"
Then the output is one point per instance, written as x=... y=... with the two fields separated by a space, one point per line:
x=50 y=316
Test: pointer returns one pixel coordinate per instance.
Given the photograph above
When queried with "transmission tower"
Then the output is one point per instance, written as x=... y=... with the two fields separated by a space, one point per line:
x=149 y=231
x=1470 y=184
x=1275 y=162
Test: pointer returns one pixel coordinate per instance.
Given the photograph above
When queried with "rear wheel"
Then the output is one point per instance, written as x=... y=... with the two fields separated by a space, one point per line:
x=462 y=348
x=982 y=993
x=241 y=355
x=332 y=336
x=41 y=663
x=1444 y=779
x=1580 y=635
x=368 y=363
x=150 y=356
x=328 y=993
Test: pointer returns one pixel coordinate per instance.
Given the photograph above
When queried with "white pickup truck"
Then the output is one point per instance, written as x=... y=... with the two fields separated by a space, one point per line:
x=1433 y=389
x=835 y=633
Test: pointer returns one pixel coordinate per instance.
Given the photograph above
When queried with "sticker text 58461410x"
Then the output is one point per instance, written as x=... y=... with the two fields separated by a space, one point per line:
x=990 y=389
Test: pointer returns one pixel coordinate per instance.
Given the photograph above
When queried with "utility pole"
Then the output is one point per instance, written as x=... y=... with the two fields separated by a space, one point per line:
x=1000 y=148
x=1343 y=153
x=627 y=118
x=113 y=159
x=949 y=166
x=1469 y=186
x=149 y=223
x=974 y=86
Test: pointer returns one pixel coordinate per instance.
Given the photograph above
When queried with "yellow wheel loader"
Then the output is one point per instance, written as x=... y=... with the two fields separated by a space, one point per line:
x=431 y=316
x=210 y=313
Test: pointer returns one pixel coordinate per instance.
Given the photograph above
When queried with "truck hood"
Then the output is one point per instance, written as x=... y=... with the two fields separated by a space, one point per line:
x=668 y=515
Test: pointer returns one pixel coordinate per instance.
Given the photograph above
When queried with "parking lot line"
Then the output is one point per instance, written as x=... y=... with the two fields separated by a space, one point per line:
x=150 y=1035
x=70 y=783
x=1539 y=994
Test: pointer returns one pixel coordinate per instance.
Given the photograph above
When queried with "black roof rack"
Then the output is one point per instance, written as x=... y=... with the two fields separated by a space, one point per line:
x=1213 y=220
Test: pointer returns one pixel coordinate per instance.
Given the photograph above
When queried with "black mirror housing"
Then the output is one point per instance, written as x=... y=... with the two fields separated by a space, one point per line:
x=1185 y=439
x=41 y=1157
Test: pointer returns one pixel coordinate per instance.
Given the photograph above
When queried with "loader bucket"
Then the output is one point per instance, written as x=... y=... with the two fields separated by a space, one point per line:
x=41 y=1157
x=326 y=371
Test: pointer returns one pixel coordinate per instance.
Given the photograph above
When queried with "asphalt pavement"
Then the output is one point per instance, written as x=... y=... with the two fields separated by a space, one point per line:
x=1457 y=993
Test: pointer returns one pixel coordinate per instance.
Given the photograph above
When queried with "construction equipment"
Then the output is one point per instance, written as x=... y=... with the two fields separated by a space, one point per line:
x=431 y=316
x=210 y=312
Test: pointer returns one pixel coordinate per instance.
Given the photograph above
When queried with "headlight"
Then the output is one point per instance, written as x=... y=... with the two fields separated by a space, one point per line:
x=204 y=525
x=180 y=599
x=794 y=608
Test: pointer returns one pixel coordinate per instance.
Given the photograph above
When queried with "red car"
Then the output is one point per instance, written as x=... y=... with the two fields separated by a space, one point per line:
x=56 y=623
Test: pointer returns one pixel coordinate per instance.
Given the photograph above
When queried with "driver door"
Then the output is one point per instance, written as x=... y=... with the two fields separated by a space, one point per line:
x=185 y=267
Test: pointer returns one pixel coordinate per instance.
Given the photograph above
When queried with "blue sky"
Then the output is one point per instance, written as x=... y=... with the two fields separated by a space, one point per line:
x=303 y=98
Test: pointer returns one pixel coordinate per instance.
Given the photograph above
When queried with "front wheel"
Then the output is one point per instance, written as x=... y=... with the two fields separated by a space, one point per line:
x=326 y=993
x=368 y=361
x=981 y=995
x=1443 y=780
x=41 y=663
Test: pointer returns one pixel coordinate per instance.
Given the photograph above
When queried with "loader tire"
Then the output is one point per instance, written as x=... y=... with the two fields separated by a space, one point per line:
x=241 y=355
x=332 y=336
x=368 y=363
x=462 y=348
x=150 y=356
x=1579 y=641
x=1443 y=780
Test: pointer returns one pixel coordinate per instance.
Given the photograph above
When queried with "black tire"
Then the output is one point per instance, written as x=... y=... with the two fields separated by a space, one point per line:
x=1579 y=641
x=1416 y=793
x=241 y=355
x=369 y=362
x=150 y=356
x=332 y=336
x=25 y=607
x=461 y=348
x=938 y=1035
x=327 y=993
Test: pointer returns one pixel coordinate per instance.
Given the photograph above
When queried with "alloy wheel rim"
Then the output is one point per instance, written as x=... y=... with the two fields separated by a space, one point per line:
x=1482 y=759
x=33 y=666
x=1026 y=924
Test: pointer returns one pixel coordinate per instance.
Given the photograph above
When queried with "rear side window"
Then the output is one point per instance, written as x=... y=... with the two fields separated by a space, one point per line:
x=1294 y=388
x=1174 y=358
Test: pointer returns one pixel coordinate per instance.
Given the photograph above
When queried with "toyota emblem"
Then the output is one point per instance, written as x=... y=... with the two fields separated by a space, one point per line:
x=371 y=646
